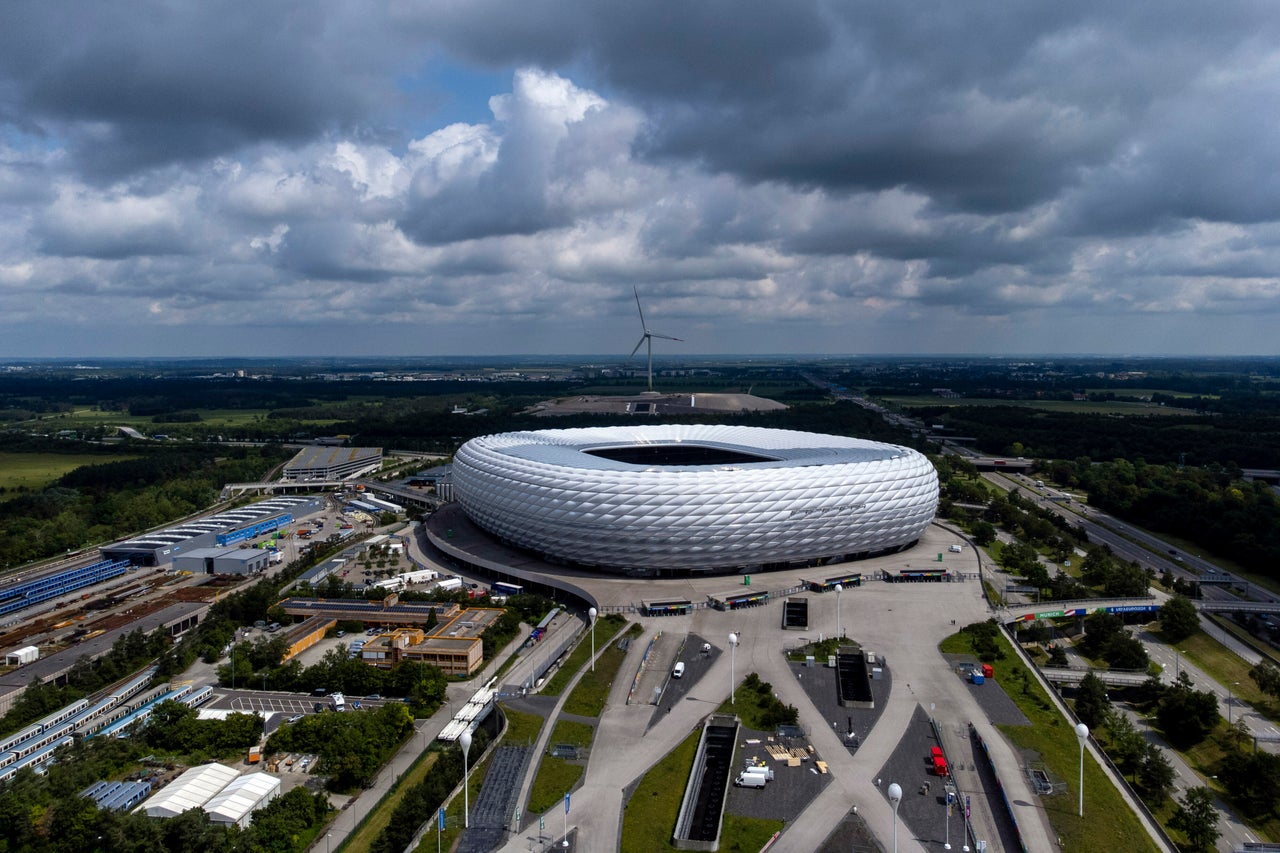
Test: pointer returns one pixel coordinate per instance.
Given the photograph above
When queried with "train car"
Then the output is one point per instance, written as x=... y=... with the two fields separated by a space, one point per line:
x=18 y=737
x=135 y=686
x=197 y=698
x=37 y=760
x=63 y=714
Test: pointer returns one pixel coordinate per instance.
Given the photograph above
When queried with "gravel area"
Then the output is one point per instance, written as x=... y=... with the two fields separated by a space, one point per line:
x=819 y=683
x=995 y=703
x=791 y=790
x=922 y=811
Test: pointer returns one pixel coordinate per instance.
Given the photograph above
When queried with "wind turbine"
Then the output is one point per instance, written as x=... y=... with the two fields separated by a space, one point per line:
x=647 y=339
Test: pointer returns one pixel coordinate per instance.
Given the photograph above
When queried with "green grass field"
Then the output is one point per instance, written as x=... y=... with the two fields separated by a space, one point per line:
x=34 y=471
x=1109 y=824
x=650 y=815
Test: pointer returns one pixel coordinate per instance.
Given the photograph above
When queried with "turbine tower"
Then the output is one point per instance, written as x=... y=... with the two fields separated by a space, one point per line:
x=647 y=339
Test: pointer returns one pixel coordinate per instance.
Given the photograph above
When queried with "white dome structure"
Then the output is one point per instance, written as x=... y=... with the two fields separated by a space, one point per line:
x=679 y=499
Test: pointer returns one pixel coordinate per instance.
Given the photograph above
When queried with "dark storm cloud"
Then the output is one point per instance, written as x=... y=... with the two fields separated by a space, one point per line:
x=986 y=107
x=134 y=84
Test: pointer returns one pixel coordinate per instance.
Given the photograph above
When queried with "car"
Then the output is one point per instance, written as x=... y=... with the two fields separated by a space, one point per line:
x=319 y=691
x=318 y=707
x=294 y=718
x=374 y=696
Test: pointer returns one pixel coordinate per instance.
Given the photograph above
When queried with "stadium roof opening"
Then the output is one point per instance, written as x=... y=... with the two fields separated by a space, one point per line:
x=676 y=454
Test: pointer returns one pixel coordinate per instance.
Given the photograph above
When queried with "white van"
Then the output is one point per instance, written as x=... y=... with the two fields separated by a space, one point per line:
x=955 y=549
x=678 y=670
x=749 y=780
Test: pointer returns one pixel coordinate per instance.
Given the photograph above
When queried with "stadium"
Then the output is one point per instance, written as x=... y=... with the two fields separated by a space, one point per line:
x=689 y=499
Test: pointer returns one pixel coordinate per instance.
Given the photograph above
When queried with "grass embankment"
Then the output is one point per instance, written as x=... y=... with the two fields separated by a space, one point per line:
x=607 y=627
x=588 y=698
x=650 y=815
x=557 y=776
x=453 y=825
x=649 y=819
x=1228 y=669
x=1110 y=824
x=377 y=820
x=522 y=728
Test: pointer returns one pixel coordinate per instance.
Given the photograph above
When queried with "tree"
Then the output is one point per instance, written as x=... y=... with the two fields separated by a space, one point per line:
x=1057 y=656
x=1155 y=775
x=1267 y=676
x=1178 y=619
x=984 y=533
x=1186 y=716
x=1092 y=703
x=1197 y=818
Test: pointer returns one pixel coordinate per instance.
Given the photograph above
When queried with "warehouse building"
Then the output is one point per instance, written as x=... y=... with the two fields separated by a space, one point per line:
x=191 y=790
x=236 y=803
x=163 y=546
x=333 y=463
x=222 y=561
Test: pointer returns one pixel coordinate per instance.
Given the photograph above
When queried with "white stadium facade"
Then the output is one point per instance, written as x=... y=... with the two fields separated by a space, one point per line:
x=688 y=499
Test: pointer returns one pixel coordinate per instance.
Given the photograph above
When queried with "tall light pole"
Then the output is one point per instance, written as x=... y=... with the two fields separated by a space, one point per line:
x=947 y=845
x=733 y=664
x=895 y=797
x=1230 y=697
x=1082 y=732
x=465 y=741
x=839 y=589
x=591 y=615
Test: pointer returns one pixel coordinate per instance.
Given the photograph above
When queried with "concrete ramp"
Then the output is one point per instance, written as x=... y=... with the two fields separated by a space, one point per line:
x=655 y=668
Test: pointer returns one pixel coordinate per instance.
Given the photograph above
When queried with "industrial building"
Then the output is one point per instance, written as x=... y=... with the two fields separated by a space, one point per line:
x=306 y=634
x=389 y=611
x=222 y=561
x=236 y=803
x=454 y=646
x=22 y=656
x=191 y=790
x=333 y=463
x=225 y=528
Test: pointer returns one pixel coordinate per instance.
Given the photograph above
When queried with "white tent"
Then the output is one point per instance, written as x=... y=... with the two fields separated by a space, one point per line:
x=191 y=790
x=237 y=802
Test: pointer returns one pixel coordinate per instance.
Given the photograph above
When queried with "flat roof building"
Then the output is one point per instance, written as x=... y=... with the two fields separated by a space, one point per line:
x=222 y=561
x=454 y=646
x=333 y=463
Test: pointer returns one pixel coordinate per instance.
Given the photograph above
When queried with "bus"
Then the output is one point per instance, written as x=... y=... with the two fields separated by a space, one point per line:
x=503 y=588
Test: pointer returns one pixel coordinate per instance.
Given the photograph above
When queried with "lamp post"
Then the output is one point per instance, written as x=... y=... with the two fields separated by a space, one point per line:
x=591 y=614
x=465 y=741
x=1230 y=697
x=839 y=589
x=1082 y=732
x=733 y=664
x=947 y=845
x=895 y=797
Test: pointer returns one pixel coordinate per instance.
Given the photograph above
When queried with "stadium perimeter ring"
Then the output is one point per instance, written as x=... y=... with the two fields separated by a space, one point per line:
x=687 y=499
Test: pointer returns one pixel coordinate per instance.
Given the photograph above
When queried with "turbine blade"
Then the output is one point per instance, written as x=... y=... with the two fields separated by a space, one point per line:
x=664 y=337
x=637 y=349
x=641 y=310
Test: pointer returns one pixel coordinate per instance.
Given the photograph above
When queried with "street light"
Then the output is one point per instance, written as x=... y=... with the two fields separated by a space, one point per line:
x=947 y=845
x=895 y=797
x=1082 y=732
x=465 y=740
x=591 y=614
x=733 y=662
x=839 y=589
x=1230 y=697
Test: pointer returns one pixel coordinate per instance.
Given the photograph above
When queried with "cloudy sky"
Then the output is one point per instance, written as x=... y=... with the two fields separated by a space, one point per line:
x=425 y=177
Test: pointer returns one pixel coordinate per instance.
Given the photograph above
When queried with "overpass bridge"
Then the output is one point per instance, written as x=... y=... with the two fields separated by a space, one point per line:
x=1109 y=677
x=1079 y=608
x=399 y=494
